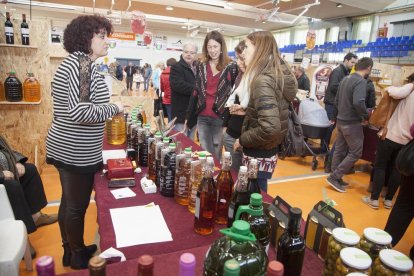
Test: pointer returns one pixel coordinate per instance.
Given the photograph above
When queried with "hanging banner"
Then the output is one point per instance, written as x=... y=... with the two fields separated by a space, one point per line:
x=315 y=60
x=320 y=81
x=122 y=36
x=160 y=42
x=310 y=39
x=138 y=22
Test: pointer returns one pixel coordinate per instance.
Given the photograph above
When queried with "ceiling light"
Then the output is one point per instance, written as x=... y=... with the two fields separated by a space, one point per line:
x=285 y=0
x=339 y=5
x=169 y=8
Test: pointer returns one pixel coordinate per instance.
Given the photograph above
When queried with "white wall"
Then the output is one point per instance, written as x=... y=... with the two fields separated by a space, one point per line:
x=392 y=18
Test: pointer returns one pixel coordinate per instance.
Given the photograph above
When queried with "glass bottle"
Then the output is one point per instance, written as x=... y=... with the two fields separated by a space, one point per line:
x=231 y=268
x=25 y=31
x=187 y=265
x=291 y=246
x=151 y=156
x=206 y=201
x=143 y=149
x=167 y=186
x=159 y=147
x=240 y=195
x=31 y=89
x=2 y=95
x=145 y=265
x=352 y=260
x=259 y=223
x=374 y=240
x=97 y=266
x=139 y=140
x=45 y=266
x=115 y=130
x=275 y=268
x=13 y=88
x=224 y=189
x=182 y=177
x=8 y=28
x=141 y=116
x=392 y=262
x=253 y=185
x=197 y=172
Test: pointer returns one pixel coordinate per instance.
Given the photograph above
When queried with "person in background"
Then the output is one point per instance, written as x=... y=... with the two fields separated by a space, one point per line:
x=24 y=189
x=129 y=70
x=213 y=87
x=166 y=88
x=403 y=211
x=233 y=122
x=352 y=111
x=75 y=138
x=182 y=81
x=397 y=136
x=335 y=78
x=118 y=71
x=272 y=86
x=156 y=75
x=371 y=98
x=302 y=78
x=136 y=78
x=147 y=76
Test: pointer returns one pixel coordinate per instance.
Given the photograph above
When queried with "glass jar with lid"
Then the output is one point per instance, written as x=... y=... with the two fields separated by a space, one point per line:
x=392 y=263
x=341 y=238
x=374 y=240
x=352 y=260
x=356 y=274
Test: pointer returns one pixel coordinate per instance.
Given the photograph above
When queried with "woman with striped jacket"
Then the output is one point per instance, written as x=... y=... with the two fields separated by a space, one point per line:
x=74 y=143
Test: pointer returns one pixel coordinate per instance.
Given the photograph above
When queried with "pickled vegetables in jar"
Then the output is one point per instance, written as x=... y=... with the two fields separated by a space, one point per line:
x=374 y=240
x=352 y=260
x=392 y=263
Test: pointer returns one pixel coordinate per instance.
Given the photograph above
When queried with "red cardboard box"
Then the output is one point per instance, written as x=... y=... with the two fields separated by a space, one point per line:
x=120 y=168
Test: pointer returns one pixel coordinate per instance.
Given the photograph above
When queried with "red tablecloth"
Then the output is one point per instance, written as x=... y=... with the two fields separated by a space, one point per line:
x=370 y=144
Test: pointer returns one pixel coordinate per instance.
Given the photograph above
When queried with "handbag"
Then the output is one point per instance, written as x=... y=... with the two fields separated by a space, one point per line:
x=383 y=112
x=405 y=159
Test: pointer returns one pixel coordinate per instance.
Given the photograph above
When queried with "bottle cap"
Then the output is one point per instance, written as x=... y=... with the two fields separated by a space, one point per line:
x=166 y=140
x=158 y=134
x=241 y=227
x=377 y=236
x=355 y=258
x=147 y=126
x=172 y=146
x=243 y=169
x=345 y=236
x=145 y=262
x=256 y=199
x=231 y=268
x=295 y=212
x=187 y=261
x=12 y=73
x=275 y=268
x=96 y=263
x=201 y=155
x=395 y=260
x=187 y=150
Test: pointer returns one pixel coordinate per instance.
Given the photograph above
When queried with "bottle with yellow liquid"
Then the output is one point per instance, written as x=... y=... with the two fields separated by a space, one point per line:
x=116 y=130
x=2 y=95
x=182 y=177
x=224 y=188
x=197 y=173
x=31 y=89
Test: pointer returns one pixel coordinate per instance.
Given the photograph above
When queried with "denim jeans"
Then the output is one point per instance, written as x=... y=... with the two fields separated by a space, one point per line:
x=236 y=156
x=348 y=148
x=167 y=107
x=146 y=84
x=190 y=133
x=210 y=133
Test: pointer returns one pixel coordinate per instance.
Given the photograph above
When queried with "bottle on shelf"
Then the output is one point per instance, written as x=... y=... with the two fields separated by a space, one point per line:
x=145 y=265
x=291 y=245
x=143 y=149
x=259 y=222
x=231 y=268
x=252 y=184
x=275 y=268
x=167 y=186
x=13 y=88
x=182 y=177
x=2 y=93
x=115 y=130
x=45 y=266
x=197 y=171
x=97 y=266
x=187 y=265
x=206 y=199
x=151 y=155
x=8 y=28
x=31 y=89
x=240 y=195
x=25 y=31
x=224 y=189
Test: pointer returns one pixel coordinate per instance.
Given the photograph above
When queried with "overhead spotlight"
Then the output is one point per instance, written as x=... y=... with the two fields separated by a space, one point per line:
x=339 y=5
x=169 y=8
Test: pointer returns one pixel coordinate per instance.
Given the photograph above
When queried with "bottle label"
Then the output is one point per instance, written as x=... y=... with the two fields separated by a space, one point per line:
x=25 y=31
x=231 y=211
x=197 y=207
x=182 y=185
x=8 y=30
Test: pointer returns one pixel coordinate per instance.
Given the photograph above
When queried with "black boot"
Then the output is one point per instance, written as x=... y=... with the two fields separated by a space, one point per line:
x=67 y=254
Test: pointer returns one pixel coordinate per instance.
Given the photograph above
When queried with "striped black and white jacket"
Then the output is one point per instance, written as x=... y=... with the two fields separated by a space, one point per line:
x=75 y=139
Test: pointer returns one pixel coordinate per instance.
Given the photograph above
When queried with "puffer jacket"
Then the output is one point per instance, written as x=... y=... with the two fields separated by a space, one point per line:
x=266 y=121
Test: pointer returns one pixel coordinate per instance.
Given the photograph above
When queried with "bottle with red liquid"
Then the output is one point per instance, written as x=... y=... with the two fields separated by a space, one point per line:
x=224 y=189
x=206 y=201
x=182 y=177
x=252 y=183
x=240 y=195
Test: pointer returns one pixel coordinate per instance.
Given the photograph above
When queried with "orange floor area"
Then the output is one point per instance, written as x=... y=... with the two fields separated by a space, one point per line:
x=293 y=180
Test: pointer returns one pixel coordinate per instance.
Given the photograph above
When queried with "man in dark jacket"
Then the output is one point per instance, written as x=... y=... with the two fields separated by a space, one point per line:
x=302 y=78
x=118 y=71
x=182 y=81
x=350 y=104
x=130 y=70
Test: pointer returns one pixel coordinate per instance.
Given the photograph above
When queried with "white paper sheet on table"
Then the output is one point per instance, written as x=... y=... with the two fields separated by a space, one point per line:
x=123 y=193
x=139 y=225
x=112 y=154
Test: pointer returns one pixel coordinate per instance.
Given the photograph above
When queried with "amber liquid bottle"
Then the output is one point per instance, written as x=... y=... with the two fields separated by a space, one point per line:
x=224 y=189
x=2 y=95
x=240 y=195
x=182 y=177
x=31 y=89
x=206 y=201
x=197 y=172
x=152 y=173
x=115 y=130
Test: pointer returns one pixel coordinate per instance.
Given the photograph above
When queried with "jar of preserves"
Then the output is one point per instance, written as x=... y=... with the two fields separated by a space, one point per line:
x=392 y=263
x=352 y=260
x=341 y=238
x=356 y=274
x=374 y=240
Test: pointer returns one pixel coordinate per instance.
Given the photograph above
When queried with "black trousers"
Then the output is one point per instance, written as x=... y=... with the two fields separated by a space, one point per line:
x=76 y=193
x=129 y=82
x=387 y=152
x=403 y=211
x=26 y=196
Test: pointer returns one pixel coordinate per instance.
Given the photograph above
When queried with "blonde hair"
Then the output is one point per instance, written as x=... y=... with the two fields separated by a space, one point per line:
x=266 y=57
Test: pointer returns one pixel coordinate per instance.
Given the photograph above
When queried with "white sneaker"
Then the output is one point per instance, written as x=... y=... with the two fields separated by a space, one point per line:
x=388 y=204
x=371 y=203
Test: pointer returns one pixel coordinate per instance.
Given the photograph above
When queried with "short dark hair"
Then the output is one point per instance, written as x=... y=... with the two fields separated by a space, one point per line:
x=364 y=63
x=410 y=78
x=240 y=47
x=171 y=61
x=79 y=32
x=350 y=56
